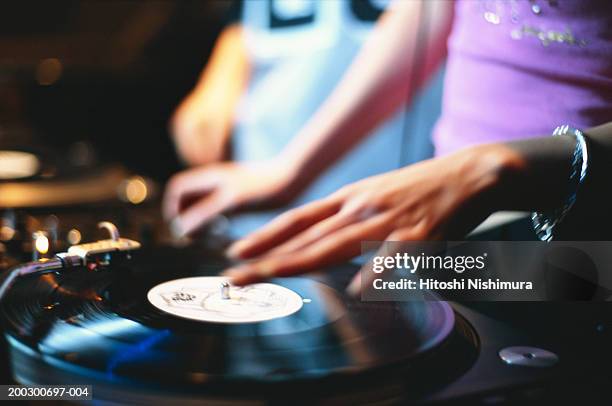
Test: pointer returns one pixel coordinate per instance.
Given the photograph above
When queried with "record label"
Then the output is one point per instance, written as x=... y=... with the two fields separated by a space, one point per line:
x=202 y=299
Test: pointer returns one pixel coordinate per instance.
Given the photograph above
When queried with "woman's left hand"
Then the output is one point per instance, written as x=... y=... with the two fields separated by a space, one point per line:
x=435 y=199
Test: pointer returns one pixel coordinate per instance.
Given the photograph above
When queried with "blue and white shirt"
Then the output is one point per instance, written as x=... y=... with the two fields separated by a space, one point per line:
x=299 y=51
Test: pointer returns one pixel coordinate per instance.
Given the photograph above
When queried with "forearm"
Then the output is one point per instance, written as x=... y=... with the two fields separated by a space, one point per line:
x=379 y=81
x=202 y=123
x=533 y=174
x=225 y=76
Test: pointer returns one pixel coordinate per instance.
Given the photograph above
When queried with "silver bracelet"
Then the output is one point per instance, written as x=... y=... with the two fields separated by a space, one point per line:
x=545 y=223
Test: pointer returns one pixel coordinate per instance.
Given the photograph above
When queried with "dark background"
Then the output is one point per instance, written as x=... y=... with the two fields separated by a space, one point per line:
x=109 y=73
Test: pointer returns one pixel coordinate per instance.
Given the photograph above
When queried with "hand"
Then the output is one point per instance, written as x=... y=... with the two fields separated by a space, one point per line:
x=435 y=199
x=199 y=132
x=195 y=196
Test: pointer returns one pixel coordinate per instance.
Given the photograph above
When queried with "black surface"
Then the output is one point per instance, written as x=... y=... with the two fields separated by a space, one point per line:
x=97 y=327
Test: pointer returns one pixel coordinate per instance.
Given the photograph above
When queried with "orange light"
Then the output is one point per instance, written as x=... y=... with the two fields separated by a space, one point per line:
x=136 y=190
x=41 y=243
x=7 y=233
x=49 y=71
x=74 y=236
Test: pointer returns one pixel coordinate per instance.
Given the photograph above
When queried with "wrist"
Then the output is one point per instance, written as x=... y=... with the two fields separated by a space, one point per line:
x=288 y=172
x=495 y=174
x=295 y=168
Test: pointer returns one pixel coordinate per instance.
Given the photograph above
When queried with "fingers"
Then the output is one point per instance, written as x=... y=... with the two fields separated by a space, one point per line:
x=313 y=234
x=283 y=228
x=365 y=276
x=185 y=183
x=199 y=214
x=336 y=247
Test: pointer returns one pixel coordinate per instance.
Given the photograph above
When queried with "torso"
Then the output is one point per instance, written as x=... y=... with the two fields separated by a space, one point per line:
x=519 y=68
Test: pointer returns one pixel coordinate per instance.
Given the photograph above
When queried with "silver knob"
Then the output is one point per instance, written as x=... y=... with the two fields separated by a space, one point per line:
x=528 y=356
x=225 y=290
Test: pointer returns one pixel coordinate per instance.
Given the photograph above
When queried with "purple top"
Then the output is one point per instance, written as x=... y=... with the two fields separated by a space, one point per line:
x=519 y=68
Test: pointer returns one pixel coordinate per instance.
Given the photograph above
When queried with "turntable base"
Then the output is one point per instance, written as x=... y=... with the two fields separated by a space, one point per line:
x=102 y=329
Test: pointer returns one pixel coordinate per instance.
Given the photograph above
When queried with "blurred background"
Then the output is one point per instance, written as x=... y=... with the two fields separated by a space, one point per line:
x=103 y=76
x=86 y=92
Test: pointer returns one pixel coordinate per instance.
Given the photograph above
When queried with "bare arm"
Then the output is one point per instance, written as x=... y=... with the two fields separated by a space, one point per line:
x=202 y=123
x=379 y=81
x=437 y=199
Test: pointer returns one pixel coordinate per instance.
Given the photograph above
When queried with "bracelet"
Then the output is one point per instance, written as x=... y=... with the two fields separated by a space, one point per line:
x=545 y=223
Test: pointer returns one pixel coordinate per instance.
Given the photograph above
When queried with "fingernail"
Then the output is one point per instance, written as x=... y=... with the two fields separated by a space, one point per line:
x=235 y=250
x=231 y=272
x=176 y=227
x=354 y=287
x=235 y=275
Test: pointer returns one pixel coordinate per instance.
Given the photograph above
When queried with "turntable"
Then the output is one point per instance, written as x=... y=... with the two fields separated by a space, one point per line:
x=155 y=325
x=34 y=177
x=62 y=198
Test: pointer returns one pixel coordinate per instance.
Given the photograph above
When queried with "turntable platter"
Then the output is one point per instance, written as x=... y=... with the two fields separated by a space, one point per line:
x=132 y=325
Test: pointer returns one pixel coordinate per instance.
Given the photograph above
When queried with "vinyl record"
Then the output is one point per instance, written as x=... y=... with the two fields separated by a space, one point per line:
x=100 y=326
